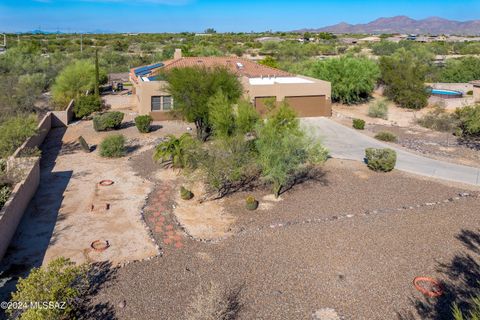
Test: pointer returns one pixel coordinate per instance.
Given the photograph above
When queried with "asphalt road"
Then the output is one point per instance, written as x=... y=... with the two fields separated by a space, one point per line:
x=347 y=143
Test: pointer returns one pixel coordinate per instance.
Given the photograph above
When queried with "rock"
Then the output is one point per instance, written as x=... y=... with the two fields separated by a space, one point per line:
x=464 y=194
x=122 y=304
x=326 y=314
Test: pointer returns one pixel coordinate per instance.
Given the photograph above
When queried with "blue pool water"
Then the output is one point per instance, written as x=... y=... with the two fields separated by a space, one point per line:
x=446 y=92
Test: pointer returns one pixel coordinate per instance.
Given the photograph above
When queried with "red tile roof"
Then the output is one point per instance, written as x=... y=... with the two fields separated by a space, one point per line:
x=240 y=66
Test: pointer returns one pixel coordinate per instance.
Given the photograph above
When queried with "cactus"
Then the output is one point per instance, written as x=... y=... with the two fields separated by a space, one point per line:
x=185 y=194
x=251 y=203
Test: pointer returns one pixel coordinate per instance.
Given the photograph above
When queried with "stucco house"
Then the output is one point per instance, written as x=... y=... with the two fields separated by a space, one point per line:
x=476 y=90
x=309 y=97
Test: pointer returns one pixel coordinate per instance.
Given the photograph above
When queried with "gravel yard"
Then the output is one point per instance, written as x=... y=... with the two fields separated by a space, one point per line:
x=350 y=243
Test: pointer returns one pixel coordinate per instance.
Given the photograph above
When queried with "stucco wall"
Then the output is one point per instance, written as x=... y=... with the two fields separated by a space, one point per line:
x=12 y=212
x=476 y=94
x=63 y=118
x=282 y=90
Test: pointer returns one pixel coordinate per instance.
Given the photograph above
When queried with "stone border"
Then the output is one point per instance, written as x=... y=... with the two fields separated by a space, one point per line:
x=23 y=192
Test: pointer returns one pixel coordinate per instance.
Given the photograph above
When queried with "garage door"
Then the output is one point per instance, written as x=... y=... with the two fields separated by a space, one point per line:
x=261 y=104
x=310 y=106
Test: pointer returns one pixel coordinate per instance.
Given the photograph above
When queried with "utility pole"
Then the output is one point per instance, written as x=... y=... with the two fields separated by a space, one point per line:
x=81 y=42
x=4 y=39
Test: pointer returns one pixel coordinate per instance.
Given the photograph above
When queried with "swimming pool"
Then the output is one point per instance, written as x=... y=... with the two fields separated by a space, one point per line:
x=443 y=93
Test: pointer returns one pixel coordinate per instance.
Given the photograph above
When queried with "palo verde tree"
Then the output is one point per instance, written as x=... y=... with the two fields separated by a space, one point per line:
x=404 y=74
x=353 y=79
x=193 y=87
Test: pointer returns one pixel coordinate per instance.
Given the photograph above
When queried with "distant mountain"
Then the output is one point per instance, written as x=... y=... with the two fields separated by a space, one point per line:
x=403 y=24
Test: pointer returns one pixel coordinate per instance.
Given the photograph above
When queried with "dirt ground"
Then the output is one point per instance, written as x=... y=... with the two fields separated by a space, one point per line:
x=348 y=244
x=410 y=135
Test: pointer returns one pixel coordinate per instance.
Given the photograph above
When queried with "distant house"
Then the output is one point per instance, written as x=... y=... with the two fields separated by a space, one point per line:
x=348 y=40
x=269 y=39
x=309 y=97
x=369 y=39
x=476 y=90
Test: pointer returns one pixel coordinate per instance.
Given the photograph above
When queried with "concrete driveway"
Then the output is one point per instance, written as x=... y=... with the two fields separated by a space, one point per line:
x=347 y=143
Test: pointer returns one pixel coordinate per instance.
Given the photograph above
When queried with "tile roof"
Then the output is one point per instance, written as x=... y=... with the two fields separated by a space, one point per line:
x=240 y=66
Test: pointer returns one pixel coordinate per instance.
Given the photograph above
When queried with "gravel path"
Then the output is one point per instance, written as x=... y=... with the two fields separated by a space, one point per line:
x=361 y=266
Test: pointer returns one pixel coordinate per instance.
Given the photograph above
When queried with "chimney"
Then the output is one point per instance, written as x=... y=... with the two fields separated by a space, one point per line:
x=177 y=54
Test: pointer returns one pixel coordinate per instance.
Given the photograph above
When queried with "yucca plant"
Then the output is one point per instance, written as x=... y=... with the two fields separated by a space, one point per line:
x=176 y=152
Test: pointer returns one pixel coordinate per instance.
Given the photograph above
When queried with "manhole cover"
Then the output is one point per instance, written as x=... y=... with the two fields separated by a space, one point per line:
x=100 y=245
x=428 y=286
x=106 y=183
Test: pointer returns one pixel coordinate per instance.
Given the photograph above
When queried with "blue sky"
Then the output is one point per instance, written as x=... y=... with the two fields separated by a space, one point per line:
x=197 y=15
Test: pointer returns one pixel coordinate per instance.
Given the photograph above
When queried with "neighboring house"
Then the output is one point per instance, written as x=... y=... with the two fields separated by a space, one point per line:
x=476 y=90
x=369 y=39
x=309 y=97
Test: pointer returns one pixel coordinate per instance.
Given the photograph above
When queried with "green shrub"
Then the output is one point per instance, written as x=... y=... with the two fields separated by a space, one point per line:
x=60 y=281
x=386 y=136
x=439 y=120
x=381 y=159
x=251 y=203
x=143 y=123
x=469 y=120
x=5 y=192
x=470 y=93
x=378 y=109
x=246 y=118
x=113 y=146
x=108 y=121
x=358 y=124
x=86 y=105
x=185 y=194
x=177 y=152
x=14 y=131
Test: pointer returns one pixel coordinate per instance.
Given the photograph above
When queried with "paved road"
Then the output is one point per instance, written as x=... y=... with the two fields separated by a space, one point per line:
x=347 y=143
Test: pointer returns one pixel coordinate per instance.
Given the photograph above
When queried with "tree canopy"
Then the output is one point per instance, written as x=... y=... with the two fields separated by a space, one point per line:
x=192 y=88
x=353 y=79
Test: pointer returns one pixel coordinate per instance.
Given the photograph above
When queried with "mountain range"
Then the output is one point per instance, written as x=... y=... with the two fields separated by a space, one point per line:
x=404 y=24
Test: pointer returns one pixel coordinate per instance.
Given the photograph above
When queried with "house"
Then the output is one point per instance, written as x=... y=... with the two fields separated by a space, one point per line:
x=476 y=90
x=309 y=97
x=370 y=39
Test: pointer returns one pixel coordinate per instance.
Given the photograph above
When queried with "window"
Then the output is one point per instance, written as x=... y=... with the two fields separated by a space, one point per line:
x=156 y=103
x=162 y=103
x=167 y=103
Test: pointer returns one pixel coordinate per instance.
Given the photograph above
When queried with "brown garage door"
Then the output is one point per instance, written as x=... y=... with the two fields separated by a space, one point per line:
x=261 y=104
x=310 y=106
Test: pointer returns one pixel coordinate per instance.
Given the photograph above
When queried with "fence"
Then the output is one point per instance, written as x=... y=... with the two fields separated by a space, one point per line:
x=23 y=192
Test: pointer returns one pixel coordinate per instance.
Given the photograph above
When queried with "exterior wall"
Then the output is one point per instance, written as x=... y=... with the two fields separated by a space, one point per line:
x=308 y=99
x=12 y=212
x=43 y=129
x=476 y=93
x=143 y=95
x=63 y=118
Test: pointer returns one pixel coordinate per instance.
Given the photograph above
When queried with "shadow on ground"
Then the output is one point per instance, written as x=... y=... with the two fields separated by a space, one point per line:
x=461 y=282
x=35 y=231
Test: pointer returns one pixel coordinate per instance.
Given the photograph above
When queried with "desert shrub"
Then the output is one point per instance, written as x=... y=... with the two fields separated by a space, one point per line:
x=221 y=115
x=473 y=312
x=14 y=131
x=469 y=120
x=251 y=203
x=108 y=121
x=179 y=152
x=378 y=109
x=212 y=302
x=60 y=281
x=404 y=74
x=228 y=165
x=470 y=93
x=386 y=136
x=353 y=79
x=284 y=150
x=381 y=159
x=358 y=124
x=143 y=123
x=439 y=120
x=185 y=194
x=5 y=192
x=86 y=105
x=113 y=146
x=246 y=118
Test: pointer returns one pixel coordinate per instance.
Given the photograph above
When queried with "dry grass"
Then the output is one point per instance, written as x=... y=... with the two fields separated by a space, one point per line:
x=212 y=302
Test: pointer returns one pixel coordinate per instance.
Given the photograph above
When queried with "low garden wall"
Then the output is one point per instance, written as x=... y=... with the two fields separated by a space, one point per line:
x=23 y=192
